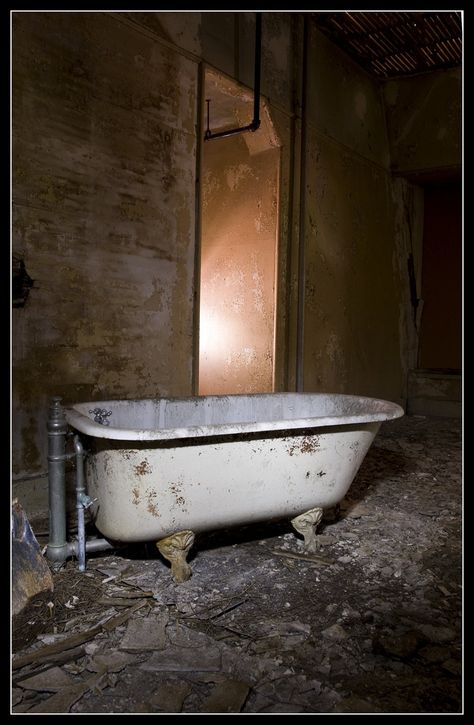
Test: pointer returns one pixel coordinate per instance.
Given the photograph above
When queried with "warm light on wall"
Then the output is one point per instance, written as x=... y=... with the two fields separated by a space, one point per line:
x=240 y=183
x=217 y=333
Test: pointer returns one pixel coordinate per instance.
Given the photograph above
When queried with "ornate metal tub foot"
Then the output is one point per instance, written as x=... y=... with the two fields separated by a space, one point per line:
x=306 y=525
x=175 y=548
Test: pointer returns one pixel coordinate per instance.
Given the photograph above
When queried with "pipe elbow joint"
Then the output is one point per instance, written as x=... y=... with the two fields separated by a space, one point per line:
x=57 y=554
x=78 y=446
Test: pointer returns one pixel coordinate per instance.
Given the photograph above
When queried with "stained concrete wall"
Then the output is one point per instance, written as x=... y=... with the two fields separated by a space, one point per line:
x=226 y=41
x=354 y=287
x=104 y=151
x=424 y=121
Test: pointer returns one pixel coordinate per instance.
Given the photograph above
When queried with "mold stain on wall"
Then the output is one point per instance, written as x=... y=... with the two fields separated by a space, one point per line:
x=104 y=165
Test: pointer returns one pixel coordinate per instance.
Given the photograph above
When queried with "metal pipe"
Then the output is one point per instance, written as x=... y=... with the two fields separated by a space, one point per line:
x=59 y=549
x=231 y=131
x=80 y=503
x=302 y=219
x=83 y=501
x=98 y=545
x=258 y=62
x=255 y=124
x=91 y=546
x=57 y=428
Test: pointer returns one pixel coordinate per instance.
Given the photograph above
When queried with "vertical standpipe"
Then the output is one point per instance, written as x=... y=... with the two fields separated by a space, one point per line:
x=81 y=501
x=57 y=549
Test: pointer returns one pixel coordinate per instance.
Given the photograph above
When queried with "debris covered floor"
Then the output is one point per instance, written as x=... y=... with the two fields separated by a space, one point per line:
x=370 y=623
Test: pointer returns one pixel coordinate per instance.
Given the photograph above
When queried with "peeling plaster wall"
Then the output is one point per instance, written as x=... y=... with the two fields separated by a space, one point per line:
x=408 y=210
x=226 y=41
x=344 y=103
x=424 y=121
x=239 y=226
x=104 y=204
x=353 y=287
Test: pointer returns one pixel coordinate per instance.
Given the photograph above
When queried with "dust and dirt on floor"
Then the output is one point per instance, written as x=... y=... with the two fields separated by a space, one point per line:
x=370 y=623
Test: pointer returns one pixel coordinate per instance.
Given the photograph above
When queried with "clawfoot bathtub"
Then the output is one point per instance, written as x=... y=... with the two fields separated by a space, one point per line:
x=162 y=470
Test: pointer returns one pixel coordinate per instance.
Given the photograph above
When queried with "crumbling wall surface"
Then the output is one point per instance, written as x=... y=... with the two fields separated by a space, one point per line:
x=408 y=209
x=104 y=152
x=352 y=336
x=344 y=103
x=226 y=41
x=351 y=298
x=424 y=121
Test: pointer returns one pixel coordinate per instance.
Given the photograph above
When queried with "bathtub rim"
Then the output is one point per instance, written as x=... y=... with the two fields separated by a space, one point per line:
x=387 y=410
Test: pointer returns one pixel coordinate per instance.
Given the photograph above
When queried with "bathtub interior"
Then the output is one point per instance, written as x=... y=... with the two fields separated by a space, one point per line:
x=223 y=412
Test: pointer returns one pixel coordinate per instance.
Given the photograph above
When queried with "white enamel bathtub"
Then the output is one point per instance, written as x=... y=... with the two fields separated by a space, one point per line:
x=157 y=467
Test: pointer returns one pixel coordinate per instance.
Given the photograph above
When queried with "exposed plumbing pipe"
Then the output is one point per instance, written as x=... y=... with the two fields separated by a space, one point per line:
x=82 y=501
x=302 y=219
x=255 y=124
x=57 y=429
x=59 y=549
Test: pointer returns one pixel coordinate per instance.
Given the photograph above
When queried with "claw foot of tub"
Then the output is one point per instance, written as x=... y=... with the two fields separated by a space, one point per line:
x=175 y=548
x=306 y=525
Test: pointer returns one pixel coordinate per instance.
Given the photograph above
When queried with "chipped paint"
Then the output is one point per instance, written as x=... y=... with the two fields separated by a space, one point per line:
x=143 y=468
x=305 y=444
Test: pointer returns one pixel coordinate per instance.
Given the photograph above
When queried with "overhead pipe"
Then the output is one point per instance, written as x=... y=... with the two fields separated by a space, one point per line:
x=255 y=124
x=302 y=218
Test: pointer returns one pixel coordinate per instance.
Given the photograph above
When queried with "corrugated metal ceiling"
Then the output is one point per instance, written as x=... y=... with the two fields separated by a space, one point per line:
x=392 y=44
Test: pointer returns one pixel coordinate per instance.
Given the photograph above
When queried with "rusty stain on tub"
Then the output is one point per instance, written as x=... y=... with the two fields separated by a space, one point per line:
x=143 y=468
x=151 y=508
x=176 y=490
x=136 y=496
x=306 y=444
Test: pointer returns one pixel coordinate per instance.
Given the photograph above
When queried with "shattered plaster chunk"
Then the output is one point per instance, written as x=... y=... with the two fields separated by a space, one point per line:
x=52 y=680
x=169 y=696
x=184 y=659
x=111 y=662
x=402 y=645
x=62 y=701
x=145 y=634
x=335 y=632
x=228 y=696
